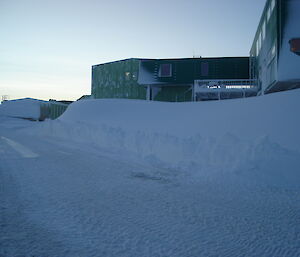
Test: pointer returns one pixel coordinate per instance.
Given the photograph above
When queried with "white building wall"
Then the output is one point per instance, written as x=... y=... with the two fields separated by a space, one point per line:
x=289 y=62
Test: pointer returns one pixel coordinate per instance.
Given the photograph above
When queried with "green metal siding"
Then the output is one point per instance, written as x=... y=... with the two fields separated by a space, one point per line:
x=56 y=110
x=120 y=79
x=224 y=68
x=174 y=94
x=52 y=110
x=117 y=80
x=185 y=71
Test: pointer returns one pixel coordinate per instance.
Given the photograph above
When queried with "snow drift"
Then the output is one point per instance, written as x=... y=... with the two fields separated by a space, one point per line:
x=138 y=178
x=258 y=136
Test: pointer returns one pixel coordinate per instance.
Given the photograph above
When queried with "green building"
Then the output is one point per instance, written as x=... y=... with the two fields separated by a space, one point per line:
x=163 y=79
x=273 y=66
x=117 y=80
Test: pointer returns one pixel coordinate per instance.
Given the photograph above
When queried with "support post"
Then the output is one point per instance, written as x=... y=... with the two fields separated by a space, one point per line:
x=148 y=94
x=193 y=92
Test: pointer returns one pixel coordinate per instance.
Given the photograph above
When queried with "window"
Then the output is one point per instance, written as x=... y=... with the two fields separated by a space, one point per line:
x=269 y=13
x=260 y=40
x=270 y=9
x=258 y=44
x=204 y=69
x=264 y=31
x=272 y=53
x=272 y=5
x=165 y=70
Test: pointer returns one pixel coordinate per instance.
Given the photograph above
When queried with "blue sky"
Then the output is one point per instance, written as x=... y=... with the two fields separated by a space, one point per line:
x=48 y=46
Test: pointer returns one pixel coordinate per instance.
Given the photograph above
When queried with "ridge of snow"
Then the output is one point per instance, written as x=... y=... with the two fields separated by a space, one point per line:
x=258 y=136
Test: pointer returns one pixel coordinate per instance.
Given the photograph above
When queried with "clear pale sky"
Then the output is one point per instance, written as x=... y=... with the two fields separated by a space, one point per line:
x=47 y=47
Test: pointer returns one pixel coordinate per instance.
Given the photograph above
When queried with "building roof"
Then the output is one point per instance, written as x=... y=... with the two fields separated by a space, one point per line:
x=170 y=59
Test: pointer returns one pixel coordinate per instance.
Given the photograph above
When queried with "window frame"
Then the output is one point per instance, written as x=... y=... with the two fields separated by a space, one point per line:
x=169 y=75
x=273 y=4
x=264 y=28
x=269 y=13
x=204 y=69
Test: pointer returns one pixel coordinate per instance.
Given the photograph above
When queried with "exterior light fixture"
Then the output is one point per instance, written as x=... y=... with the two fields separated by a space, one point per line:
x=295 y=45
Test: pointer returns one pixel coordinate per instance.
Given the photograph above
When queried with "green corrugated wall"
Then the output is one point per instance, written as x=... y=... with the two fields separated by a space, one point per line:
x=174 y=94
x=120 y=79
x=117 y=80
x=52 y=110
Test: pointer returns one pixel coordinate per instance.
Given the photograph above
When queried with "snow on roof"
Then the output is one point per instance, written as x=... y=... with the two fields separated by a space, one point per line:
x=28 y=108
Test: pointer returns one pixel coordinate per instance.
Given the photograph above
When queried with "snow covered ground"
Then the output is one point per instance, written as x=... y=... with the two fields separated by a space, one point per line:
x=259 y=136
x=135 y=178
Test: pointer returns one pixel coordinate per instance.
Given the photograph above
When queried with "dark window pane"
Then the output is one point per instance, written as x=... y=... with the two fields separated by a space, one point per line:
x=165 y=70
x=204 y=69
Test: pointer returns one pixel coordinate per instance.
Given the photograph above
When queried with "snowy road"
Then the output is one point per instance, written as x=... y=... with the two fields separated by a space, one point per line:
x=61 y=198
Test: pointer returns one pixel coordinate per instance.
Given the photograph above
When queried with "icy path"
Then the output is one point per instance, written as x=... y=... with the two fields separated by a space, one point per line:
x=76 y=200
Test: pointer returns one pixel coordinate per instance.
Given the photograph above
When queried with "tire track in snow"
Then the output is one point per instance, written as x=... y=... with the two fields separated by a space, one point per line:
x=22 y=150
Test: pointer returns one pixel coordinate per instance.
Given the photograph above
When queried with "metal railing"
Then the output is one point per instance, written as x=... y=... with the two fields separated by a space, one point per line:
x=224 y=89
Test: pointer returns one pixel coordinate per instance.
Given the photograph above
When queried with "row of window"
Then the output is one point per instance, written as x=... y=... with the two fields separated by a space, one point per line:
x=262 y=34
x=165 y=70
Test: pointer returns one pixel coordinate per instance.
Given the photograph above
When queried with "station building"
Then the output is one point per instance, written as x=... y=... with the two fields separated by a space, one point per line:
x=170 y=80
x=273 y=65
x=275 y=52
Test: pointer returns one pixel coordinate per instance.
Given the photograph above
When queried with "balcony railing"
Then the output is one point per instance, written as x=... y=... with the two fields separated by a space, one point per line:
x=224 y=89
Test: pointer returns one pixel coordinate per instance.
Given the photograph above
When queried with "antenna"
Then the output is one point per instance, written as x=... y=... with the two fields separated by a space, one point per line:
x=195 y=55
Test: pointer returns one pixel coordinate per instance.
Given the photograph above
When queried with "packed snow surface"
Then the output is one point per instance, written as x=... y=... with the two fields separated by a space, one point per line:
x=137 y=178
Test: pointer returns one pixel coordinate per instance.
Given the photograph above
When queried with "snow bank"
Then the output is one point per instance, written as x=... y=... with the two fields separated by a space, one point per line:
x=22 y=108
x=258 y=136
